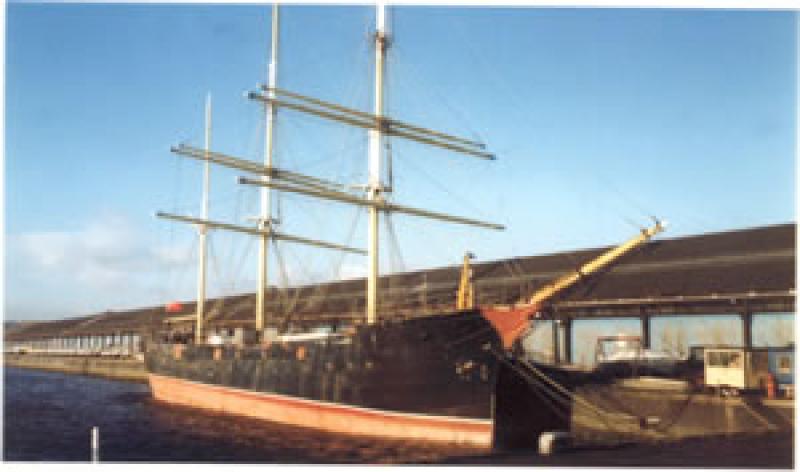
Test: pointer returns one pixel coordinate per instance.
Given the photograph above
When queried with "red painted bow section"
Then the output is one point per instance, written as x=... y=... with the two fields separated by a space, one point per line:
x=509 y=322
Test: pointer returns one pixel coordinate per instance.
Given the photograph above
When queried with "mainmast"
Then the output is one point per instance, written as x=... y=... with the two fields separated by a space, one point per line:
x=265 y=221
x=203 y=231
x=375 y=187
x=270 y=177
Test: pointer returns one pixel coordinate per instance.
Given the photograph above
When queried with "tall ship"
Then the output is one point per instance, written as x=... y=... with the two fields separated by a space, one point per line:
x=462 y=376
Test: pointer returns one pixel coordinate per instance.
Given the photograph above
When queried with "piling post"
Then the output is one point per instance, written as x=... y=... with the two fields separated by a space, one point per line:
x=95 y=444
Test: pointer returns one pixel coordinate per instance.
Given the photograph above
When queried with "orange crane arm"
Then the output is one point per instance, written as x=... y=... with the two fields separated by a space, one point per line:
x=596 y=264
x=511 y=321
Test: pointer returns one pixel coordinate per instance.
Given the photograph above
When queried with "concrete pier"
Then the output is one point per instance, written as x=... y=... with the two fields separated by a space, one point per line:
x=122 y=369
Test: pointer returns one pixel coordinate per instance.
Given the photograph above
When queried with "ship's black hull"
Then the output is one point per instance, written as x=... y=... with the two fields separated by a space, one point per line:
x=442 y=378
x=430 y=367
x=445 y=367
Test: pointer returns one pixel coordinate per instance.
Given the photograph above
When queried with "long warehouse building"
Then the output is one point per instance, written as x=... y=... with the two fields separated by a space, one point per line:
x=744 y=272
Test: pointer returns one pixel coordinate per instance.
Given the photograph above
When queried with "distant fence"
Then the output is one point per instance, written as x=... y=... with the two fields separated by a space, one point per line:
x=115 y=345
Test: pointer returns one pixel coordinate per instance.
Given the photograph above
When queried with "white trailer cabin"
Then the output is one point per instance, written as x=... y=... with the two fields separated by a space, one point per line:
x=735 y=368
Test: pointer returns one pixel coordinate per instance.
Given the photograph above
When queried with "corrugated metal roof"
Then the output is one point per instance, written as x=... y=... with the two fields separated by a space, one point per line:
x=755 y=260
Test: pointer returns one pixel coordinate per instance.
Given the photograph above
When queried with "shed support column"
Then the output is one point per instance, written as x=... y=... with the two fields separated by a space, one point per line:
x=747 y=328
x=646 y=339
x=556 y=341
x=567 y=324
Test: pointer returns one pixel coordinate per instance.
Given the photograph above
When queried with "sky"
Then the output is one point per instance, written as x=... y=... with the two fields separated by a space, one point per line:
x=600 y=118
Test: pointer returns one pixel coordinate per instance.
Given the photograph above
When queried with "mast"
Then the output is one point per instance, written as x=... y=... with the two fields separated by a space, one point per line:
x=264 y=228
x=270 y=177
x=379 y=127
x=374 y=187
x=265 y=221
x=203 y=231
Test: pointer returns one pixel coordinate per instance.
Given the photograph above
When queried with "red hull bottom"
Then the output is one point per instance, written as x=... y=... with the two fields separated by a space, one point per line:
x=326 y=416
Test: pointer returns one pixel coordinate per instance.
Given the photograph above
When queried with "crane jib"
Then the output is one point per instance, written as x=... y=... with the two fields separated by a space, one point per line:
x=510 y=322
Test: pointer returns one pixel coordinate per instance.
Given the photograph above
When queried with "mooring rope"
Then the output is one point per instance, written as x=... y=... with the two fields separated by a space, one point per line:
x=564 y=403
x=601 y=415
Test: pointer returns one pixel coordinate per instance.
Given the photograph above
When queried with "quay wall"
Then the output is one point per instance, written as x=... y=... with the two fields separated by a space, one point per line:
x=122 y=369
x=664 y=415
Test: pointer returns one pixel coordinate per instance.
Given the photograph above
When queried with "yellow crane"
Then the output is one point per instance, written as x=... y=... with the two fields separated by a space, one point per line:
x=596 y=264
x=465 y=299
x=510 y=321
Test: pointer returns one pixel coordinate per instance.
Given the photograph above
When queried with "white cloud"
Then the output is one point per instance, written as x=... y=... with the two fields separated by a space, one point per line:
x=111 y=263
x=106 y=248
x=173 y=255
x=107 y=264
x=45 y=249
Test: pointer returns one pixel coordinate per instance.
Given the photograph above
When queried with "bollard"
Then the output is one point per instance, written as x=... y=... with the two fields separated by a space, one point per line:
x=95 y=443
x=550 y=442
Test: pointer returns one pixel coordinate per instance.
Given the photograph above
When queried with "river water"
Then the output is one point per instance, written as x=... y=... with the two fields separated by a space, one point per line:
x=48 y=417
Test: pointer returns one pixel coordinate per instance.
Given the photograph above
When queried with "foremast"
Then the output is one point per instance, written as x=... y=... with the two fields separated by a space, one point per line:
x=266 y=221
x=375 y=186
x=379 y=127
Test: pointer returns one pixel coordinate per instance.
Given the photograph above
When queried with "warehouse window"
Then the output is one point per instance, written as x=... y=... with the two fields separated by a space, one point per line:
x=785 y=364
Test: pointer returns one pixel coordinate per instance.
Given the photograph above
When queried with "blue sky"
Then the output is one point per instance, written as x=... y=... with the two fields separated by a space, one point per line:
x=600 y=118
